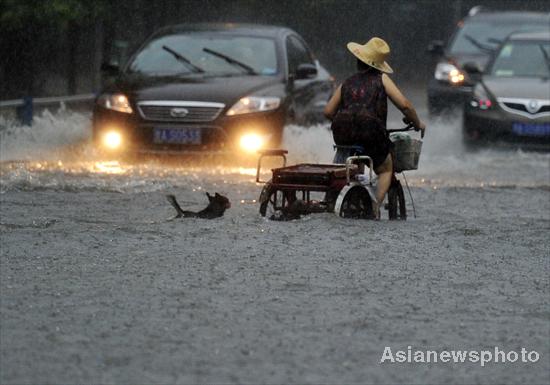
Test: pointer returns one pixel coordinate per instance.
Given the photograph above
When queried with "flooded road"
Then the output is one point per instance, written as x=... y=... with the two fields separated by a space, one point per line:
x=56 y=153
x=99 y=286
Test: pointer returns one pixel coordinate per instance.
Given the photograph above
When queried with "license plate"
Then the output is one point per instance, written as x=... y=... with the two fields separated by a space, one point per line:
x=177 y=135
x=531 y=129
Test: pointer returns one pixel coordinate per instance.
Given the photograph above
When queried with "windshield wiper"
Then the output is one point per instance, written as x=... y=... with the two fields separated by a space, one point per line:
x=546 y=55
x=495 y=41
x=249 y=70
x=183 y=60
x=480 y=46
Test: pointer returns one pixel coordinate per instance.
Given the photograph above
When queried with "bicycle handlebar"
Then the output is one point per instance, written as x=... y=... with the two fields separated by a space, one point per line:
x=407 y=128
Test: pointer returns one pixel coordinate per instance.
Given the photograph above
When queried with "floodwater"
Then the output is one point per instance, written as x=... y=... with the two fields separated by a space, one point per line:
x=56 y=153
x=98 y=285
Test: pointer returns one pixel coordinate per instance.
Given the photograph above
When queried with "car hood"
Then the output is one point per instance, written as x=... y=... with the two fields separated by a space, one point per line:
x=197 y=88
x=528 y=88
x=460 y=59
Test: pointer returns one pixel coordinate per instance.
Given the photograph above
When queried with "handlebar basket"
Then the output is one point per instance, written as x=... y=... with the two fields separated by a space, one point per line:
x=407 y=151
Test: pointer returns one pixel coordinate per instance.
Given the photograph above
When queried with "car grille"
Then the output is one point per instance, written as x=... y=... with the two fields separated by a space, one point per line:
x=530 y=108
x=179 y=111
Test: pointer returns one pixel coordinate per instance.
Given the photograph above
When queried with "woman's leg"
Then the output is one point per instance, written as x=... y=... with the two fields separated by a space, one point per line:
x=384 y=172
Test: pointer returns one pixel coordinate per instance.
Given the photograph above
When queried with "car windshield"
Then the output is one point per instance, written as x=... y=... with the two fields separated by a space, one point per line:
x=523 y=59
x=163 y=56
x=481 y=36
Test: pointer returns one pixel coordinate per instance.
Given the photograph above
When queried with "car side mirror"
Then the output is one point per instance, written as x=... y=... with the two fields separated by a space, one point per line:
x=472 y=68
x=306 y=71
x=436 y=47
x=109 y=69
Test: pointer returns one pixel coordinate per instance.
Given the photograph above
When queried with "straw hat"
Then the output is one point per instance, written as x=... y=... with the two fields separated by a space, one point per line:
x=373 y=53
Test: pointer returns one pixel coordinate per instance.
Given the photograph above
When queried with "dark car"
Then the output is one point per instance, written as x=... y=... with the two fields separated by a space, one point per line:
x=469 y=50
x=512 y=100
x=212 y=87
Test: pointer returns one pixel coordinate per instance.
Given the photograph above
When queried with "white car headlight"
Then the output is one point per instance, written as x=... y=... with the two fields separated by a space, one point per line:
x=252 y=142
x=117 y=102
x=250 y=104
x=448 y=72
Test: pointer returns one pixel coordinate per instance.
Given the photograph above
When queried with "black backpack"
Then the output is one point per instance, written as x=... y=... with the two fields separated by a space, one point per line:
x=343 y=128
x=356 y=128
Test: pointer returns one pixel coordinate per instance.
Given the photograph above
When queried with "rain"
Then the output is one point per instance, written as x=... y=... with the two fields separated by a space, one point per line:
x=101 y=283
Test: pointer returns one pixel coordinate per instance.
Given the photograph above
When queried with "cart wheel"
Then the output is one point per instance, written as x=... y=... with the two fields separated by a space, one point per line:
x=273 y=202
x=266 y=198
x=357 y=204
x=396 y=202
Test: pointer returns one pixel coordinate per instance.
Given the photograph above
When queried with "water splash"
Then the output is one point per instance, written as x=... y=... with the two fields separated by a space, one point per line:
x=55 y=153
x=312 y=144
x=446 y=161
x=52 y=136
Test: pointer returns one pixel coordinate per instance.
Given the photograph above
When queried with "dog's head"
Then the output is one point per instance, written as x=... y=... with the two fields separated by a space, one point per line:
x=219 y=200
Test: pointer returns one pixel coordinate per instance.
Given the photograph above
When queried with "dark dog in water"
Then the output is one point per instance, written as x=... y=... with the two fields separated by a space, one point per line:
x=216 y=207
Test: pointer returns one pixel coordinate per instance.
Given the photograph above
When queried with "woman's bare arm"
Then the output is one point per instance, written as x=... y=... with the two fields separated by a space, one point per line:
x=333 y=103
x=402 y=103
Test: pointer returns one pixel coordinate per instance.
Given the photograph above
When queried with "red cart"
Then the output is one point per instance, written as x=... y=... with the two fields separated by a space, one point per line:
x=349 y=189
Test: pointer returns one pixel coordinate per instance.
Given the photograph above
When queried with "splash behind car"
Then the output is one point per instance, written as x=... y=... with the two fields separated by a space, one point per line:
x=472 y=45
x=512 y=101
x=211 y=87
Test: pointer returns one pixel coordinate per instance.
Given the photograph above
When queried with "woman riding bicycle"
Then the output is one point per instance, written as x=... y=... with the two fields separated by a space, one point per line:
x=358 y=110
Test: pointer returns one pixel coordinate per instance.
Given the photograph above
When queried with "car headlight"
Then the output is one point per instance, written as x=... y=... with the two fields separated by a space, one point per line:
x=117 y=102
x=448 y=72
x=252 y=142
x=250 y=104
x=112 y=140
x=481 y=98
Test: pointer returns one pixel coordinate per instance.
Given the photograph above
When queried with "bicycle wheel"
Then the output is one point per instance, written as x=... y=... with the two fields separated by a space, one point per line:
x=401 y=201
x=356 y=204
x=392 y=202
x=396 y=202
